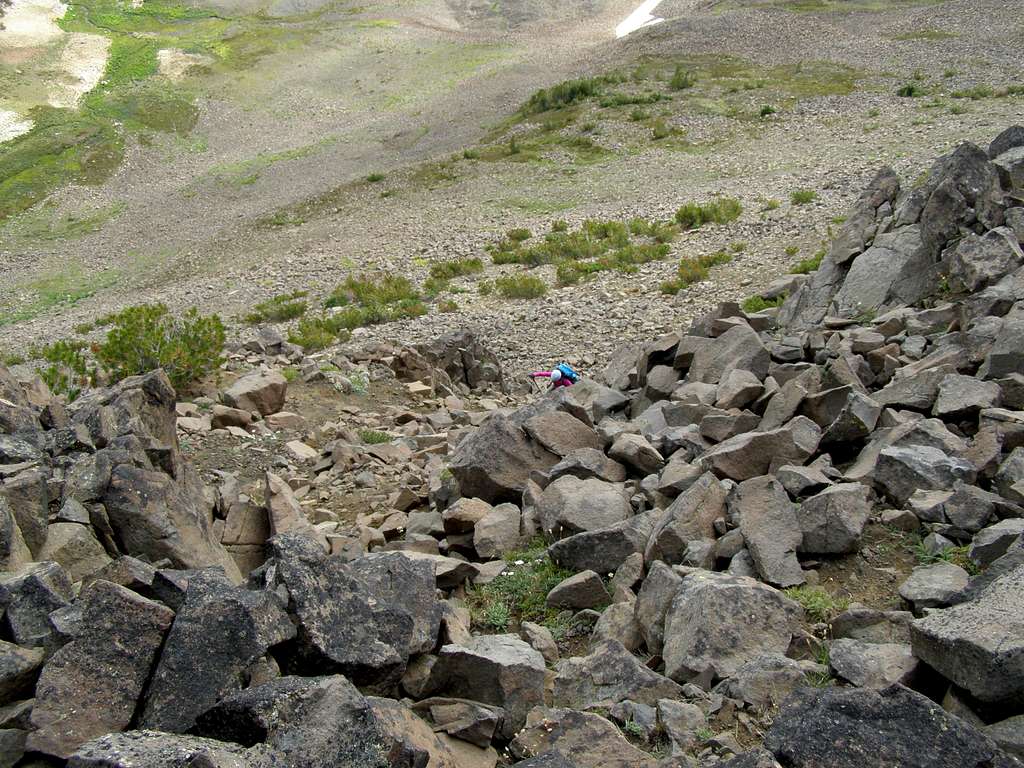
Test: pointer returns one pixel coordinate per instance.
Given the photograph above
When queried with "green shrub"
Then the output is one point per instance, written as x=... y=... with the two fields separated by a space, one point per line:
x=682 y=79
x=313 y=333
x=714 y=259
x=806 y=266
x=446 y=270
x=373 y=178
x=625 y=99
x=374 y=437
x=67 y=370
x=146 y=337
x=974 y=93
x=433 y=286
x=910 y=91
x=738 y=246
x=690 y=271
x=520 y=592
x=770 y=204
x=767 y=110
x=368 y=289
x=564 y=94
x=485 y=287
x=721 y=210
x=560 y=225
x=802 y=196
x=518 y=235
x=353 y=317
x=638 y=115
x=660 y=130
x=448 y=306
x=759 y=304
x=792 y=250
x=278 y=309
x=520 y=286
x=817 y=603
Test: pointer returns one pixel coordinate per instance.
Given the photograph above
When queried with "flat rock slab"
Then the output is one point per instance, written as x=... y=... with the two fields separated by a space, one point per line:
x=841 y=728
x=979 y=645
x=608 y=675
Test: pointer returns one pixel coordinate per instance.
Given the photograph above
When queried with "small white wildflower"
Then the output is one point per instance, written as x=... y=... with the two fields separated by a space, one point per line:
x=519 y=562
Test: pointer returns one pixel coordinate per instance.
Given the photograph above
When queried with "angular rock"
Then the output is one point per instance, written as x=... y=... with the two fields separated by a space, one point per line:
x=980 y=261
x=856 y=420
x=894 y=726
x=873 y=665
x=75 y=548
x=991 y=543
x=579 y=591
x=961 y=396
x=29 y=597
x=494 y=462
x=717 y=623
x=750 y=455
x=540 y=639
x=19 y=669
x=498 y=531
x=771 y=528
x=832 y=522
x=257 y=391
x=463 y=515
x=738 y=389
x=764 y=681
x=933 y=586
x=161 y=750
x=284 y=512
x=605 y=549
x=681 y=721
x=587 y=463
x=92 y=685
x=581 y=739
x=562 y=433
x=570 y=505
x=493 y=669
x=634 y=451
x=219 y=631
x=618 y=622
x=901 y=471
x=608 y=675
x=873 y=626
x=738 y=348
x=691 y=516
x=979 y=645
x=652 y=603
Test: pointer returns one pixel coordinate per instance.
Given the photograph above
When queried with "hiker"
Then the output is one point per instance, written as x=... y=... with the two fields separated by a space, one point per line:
x=562 y=375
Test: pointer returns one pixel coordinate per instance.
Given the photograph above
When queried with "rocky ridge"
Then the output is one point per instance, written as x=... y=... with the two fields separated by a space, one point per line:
x=691 y=493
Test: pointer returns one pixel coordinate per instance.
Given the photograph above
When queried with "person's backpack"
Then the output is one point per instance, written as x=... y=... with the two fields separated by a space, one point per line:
x=568 y=372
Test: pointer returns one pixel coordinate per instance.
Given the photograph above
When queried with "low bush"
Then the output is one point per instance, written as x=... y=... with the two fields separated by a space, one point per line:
x=817 y=603
x=370 y=289
x=446 y=270
x=682 y=79
x=767 y=110
x=448 y=306
x=806 y=266
x=721 y=210
x=564 y=94
x=520 y=286
x=313 y=333
x=67 y=371
x=759 y=304
x=374 y=437
x=910 y=91
x=278 y=309
x=146 y=337
x=802 y=196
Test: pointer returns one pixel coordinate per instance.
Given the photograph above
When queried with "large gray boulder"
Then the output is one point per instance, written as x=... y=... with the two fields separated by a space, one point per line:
x=19 y=669
x=963 y=396
x=163 y=750
x=605 y=549
x=764 y=681
x=873 y=665
x=892 y=727
x=28 y=597
x=493 y=669
x=979 y=645
x=902 y=470
x=587 y=463
x=977 y=262
x=92 y=685
x=933 y=586
x=363 y=619
x=752 y=454
x=771 y=529
x=257 y=391
x=562 y=433
x=75 y=547
x=219 y=631
x=1006 y=356
x=494 y=462
x=608 y=675
x=579 y=591
x=570 y=505
x=691 y=516
x=653 y=601
x=498 y=532
x=832 y=521
x=738 y=348
x=561 y=738
x=717 y=623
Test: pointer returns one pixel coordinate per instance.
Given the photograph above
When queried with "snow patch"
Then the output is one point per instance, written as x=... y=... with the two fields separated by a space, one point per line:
x=12 y=125
x=641 y=17
x=82 y=63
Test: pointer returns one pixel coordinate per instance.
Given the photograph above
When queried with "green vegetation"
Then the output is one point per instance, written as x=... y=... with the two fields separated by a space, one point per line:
x=67 y=370
x=63 y=287
x=682 y=79
x=566 y=94
x=519 y=593
x=802 y=196
x=313 y=333
x=759 y=304
x=374 y=437
x=624 y=259
x=373 y=178
x=720 y=210
x=767 y=110
x=806 y=266
x=147 y=336
x=692 y=271
x=817 y=603
x=368 y=290
x=520 y=286
x=44 y=225
x=910 y=91
x=925 y=34
x=278 y=309
x=446 y=270
x=955 y=555
x=448 y=306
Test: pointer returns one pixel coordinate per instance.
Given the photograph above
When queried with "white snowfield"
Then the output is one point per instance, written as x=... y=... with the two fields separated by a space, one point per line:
x=641 y=17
